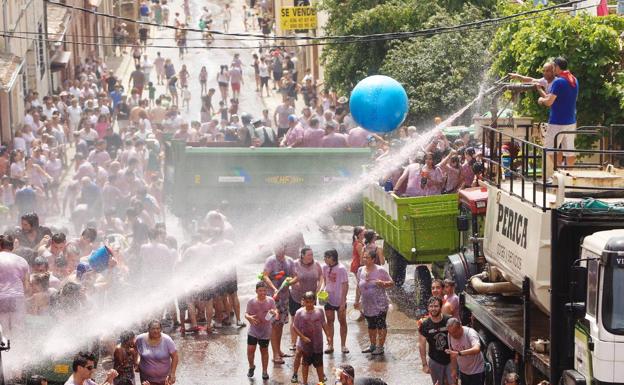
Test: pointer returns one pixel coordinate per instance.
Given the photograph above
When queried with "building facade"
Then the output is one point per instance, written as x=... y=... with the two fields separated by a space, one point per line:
x=23 y=60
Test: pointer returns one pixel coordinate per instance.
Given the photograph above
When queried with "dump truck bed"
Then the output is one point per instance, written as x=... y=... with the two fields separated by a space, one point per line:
x=504 y=317
x=256 y=179
x=421 y=229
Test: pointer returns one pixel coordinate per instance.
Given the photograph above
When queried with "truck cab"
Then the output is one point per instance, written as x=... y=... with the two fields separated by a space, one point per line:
x=599 y=330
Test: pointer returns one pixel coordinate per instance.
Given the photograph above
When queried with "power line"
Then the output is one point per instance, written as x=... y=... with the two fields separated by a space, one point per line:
x=374 y=38
x=421 y=33
x=390 y=35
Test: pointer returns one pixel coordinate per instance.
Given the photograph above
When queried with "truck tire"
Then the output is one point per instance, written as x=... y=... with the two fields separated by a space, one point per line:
x=422 y=285
x=510 y=367
x=396 y=266
x=496 y=356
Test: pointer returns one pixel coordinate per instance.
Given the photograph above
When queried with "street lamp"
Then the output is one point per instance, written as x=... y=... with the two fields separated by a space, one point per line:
x=5 y=345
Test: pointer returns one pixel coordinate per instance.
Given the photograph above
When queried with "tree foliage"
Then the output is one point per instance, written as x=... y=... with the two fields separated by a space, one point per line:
x=443 y=72
x=346 y=64
x=591 y=45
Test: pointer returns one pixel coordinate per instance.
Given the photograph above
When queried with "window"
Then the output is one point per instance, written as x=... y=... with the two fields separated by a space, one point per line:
x=24 y=81
x=612 y=304
x=41 y=51
x=592 y=286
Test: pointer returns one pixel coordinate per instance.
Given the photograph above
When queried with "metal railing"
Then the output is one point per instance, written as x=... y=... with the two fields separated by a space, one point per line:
x=530 y=154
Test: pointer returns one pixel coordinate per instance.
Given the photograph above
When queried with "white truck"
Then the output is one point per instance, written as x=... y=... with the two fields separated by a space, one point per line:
x=545 y=284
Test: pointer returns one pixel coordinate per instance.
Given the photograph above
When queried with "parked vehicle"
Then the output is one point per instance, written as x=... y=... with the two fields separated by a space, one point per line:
x=421 y=230
x=257 y=181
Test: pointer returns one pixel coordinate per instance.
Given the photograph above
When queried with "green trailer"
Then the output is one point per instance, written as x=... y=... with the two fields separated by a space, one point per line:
x=415 y=230
x=259 y=180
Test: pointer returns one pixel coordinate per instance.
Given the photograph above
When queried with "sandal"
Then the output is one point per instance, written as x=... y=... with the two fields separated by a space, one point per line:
x=329 y=351
x=285 y=355
x=278 y=362
x=345 y=350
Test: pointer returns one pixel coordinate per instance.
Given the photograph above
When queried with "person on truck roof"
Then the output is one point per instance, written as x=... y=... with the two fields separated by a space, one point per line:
x=561 y=99
x=546 y=81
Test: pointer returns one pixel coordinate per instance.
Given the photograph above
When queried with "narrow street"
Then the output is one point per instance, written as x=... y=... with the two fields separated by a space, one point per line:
x=220 y=358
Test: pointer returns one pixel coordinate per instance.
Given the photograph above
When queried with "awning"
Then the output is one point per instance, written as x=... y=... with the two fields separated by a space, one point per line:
x=10 y=67
x=58 y=22
x=60 y=60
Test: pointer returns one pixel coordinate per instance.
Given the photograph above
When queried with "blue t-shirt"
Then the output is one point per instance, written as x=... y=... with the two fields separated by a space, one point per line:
x=144 y=10
x=563 y=110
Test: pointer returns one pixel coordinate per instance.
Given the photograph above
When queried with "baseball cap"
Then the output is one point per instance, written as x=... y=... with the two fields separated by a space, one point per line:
x=292 y=118
x=82 y=268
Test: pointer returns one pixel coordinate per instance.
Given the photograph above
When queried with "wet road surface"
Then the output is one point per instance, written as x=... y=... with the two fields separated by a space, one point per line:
x=221 y=358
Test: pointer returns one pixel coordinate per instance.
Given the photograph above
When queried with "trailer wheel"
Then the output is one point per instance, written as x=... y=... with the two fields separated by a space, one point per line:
x=422 y=285
x=510 y=367
x=396 y=266
x=495 y=355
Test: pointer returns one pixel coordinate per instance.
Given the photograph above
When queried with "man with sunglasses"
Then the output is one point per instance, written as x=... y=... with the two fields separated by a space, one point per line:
x=83 y=368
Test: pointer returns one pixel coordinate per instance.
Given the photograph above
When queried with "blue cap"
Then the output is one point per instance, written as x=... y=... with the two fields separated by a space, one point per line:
x=292 y=118
x=82 y=268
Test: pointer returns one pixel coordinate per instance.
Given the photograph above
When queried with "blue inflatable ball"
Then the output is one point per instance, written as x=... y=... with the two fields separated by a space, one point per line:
x=379 y=103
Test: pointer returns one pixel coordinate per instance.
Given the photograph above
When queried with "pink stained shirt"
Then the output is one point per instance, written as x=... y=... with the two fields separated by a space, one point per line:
x=415 y=185
x=313 y=137
x=13 y=269
x=358 y=137
x=258 y=308
x=335 y=277
x=310 y=324
x=295 y=135
x=452 y=176
x=334 y=140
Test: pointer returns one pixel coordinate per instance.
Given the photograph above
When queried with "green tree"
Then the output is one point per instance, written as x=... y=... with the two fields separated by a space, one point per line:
x=346 y=64
x=443 y=72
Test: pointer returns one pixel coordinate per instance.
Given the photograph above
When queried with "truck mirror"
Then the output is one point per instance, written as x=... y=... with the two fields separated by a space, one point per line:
x=578 y=284
x=462 y=223
x=572 y=377
x=577 y=310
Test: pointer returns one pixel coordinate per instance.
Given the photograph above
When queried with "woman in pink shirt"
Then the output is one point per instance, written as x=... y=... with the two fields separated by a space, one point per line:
x=101 y=126
x=336 y=283
x=452 y=172
x=422 y=180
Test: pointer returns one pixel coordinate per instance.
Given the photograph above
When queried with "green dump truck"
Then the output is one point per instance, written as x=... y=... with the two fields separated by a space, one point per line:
x=259 y=180
x=415 y=230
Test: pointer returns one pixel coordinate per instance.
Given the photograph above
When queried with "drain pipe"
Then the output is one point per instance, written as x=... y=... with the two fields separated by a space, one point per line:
x=7 y=39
